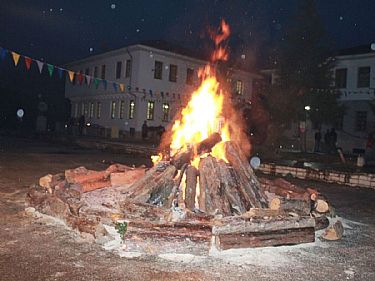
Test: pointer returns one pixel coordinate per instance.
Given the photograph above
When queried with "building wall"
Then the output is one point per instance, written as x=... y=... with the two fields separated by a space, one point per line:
x=141 y=87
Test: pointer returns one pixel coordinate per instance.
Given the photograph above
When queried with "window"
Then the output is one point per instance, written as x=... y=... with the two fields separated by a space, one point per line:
x=103 y=72
x=82 y=109
x=118 y=69
x=165 y=112
x=340 y=78
x=131 y=109
x=239 y=87
x=158 y=70
x=363 y=77
x=98 y=109
x=128 y=69
x=87 y=71
x=172 y=73
x=91 y=110
x=95 y=71
x=122 y=109
x=86 y=109
x=75 y=110
x=150 y=110
x=190 y=76
x=113 y=109
x=360 y=120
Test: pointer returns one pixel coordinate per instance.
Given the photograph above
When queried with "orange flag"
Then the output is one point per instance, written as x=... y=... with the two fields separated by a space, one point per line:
x=16 y=58
x=71 y=75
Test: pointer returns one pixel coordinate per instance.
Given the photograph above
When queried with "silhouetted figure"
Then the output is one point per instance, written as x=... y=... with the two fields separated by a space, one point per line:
x=318 y=137
x=81 y=124
x=144 y=130
x=333 y=139
x=327 y=141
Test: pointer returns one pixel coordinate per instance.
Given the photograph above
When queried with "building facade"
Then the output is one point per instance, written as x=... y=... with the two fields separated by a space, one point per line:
x=158 y=83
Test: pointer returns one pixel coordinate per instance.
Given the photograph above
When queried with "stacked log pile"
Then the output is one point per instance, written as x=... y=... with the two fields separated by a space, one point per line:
x=175 y=201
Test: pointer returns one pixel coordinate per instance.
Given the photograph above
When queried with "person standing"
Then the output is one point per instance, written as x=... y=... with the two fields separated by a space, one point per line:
x=327 y=142
x=333 y=140
x=318 y=137
x=144 y=130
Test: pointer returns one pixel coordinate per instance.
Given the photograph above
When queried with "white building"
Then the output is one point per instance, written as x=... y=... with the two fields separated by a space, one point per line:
x=158 y=81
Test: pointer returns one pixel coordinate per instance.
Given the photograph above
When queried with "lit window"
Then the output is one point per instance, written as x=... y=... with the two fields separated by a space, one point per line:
x=173 y=73
x=98 y=110
x=150 y=110
x=128 y=69
x=91 y=110
x=113 y=109
x=122 y=109
x=103 y=72
x=239 y=87
x=118 y=69
x=190 y=76
x=131 y=109
x=158 y=70
x=165 y=112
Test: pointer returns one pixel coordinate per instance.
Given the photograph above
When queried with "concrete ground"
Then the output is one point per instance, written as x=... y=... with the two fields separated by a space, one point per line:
x=40 y=249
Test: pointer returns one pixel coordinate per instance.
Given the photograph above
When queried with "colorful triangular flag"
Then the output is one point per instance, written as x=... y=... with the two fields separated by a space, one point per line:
x=88 y=79
x=71 y=75
x=60 y=71
x=105 y=84
x=50 y=69
x=115 y=86
x=40 y=65
x=28 y=62
x=3 y=53
x=16 y=58
x=96 y=82
x=80 y=78
x=122 y=88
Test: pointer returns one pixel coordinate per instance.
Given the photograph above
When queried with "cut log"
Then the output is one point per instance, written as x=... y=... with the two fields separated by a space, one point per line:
x=291 y=205
x=93 y=185
x=176 y=189
x=127 y=177
x=250 y=186
x=285 y=189
x=207 y=144
x=50 y=181
x=229 y=183
x=182 y=158
x=210 y=180
x=191 y=185
x=334 y=232
x=158 y=180
x=82 y=175
x=261 y=213
x=321 y=222
x=321 y=206
x=238 y=233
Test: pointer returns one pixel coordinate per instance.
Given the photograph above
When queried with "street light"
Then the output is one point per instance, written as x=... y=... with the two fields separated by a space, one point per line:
x=307 y=107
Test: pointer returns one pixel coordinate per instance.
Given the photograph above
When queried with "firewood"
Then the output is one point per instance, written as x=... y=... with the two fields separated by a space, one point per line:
x=210 y=180
x=191 y=185
x=321 y=222
x=176 y=188
x=249 y=182
x=50 y=181
x=207 y=144
x=127 y=177
x=183 y=157
x=293 y=205
x=285 y=189
x=321 y=206
x=334 y=232
x=261 y=212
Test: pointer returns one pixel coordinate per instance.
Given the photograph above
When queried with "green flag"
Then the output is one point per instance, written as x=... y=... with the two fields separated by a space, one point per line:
x=96 y=82
x=50 y=69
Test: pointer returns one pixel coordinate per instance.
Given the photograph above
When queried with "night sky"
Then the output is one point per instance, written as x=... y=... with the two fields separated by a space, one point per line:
x=61 y=31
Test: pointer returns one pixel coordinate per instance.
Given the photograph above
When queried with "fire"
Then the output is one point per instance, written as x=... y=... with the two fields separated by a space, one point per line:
x=203 y=115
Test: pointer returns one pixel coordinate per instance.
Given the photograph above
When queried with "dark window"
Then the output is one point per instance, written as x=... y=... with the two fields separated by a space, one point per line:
x=131 y=109
x=103 y=72
x=158 y=70
x=165 y=112
x=98 y=110
x=122 y=109
x=360 y=120
x=118 y=69
x=190 y=76
x=95 y=71
x=363 y=77
x=150 y=110
x=173 y=73
x=87 y=71
x=340 y=78
x=128 y=69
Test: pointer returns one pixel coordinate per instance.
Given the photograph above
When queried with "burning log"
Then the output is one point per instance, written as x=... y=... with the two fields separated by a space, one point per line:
x=249 y=184
x=207 y=144
x=176 y=188
x=210 y=180
x=191 y=185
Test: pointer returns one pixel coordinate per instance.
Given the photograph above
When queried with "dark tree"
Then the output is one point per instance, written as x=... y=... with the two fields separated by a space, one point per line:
x=304 y=73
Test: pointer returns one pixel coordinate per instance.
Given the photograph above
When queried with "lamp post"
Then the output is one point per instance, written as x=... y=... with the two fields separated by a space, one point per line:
x=307 y=108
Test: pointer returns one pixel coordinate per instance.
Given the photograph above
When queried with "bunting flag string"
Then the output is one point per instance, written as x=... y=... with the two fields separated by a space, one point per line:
x=60 y=71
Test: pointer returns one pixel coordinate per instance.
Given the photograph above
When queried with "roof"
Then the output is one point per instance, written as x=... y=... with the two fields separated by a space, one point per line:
x=357 y=50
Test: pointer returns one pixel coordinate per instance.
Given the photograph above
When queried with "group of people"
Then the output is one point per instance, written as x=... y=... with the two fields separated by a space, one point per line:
x=330 y=141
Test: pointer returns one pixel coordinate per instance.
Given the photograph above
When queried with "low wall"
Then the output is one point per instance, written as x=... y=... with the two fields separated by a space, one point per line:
x=347 y=178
